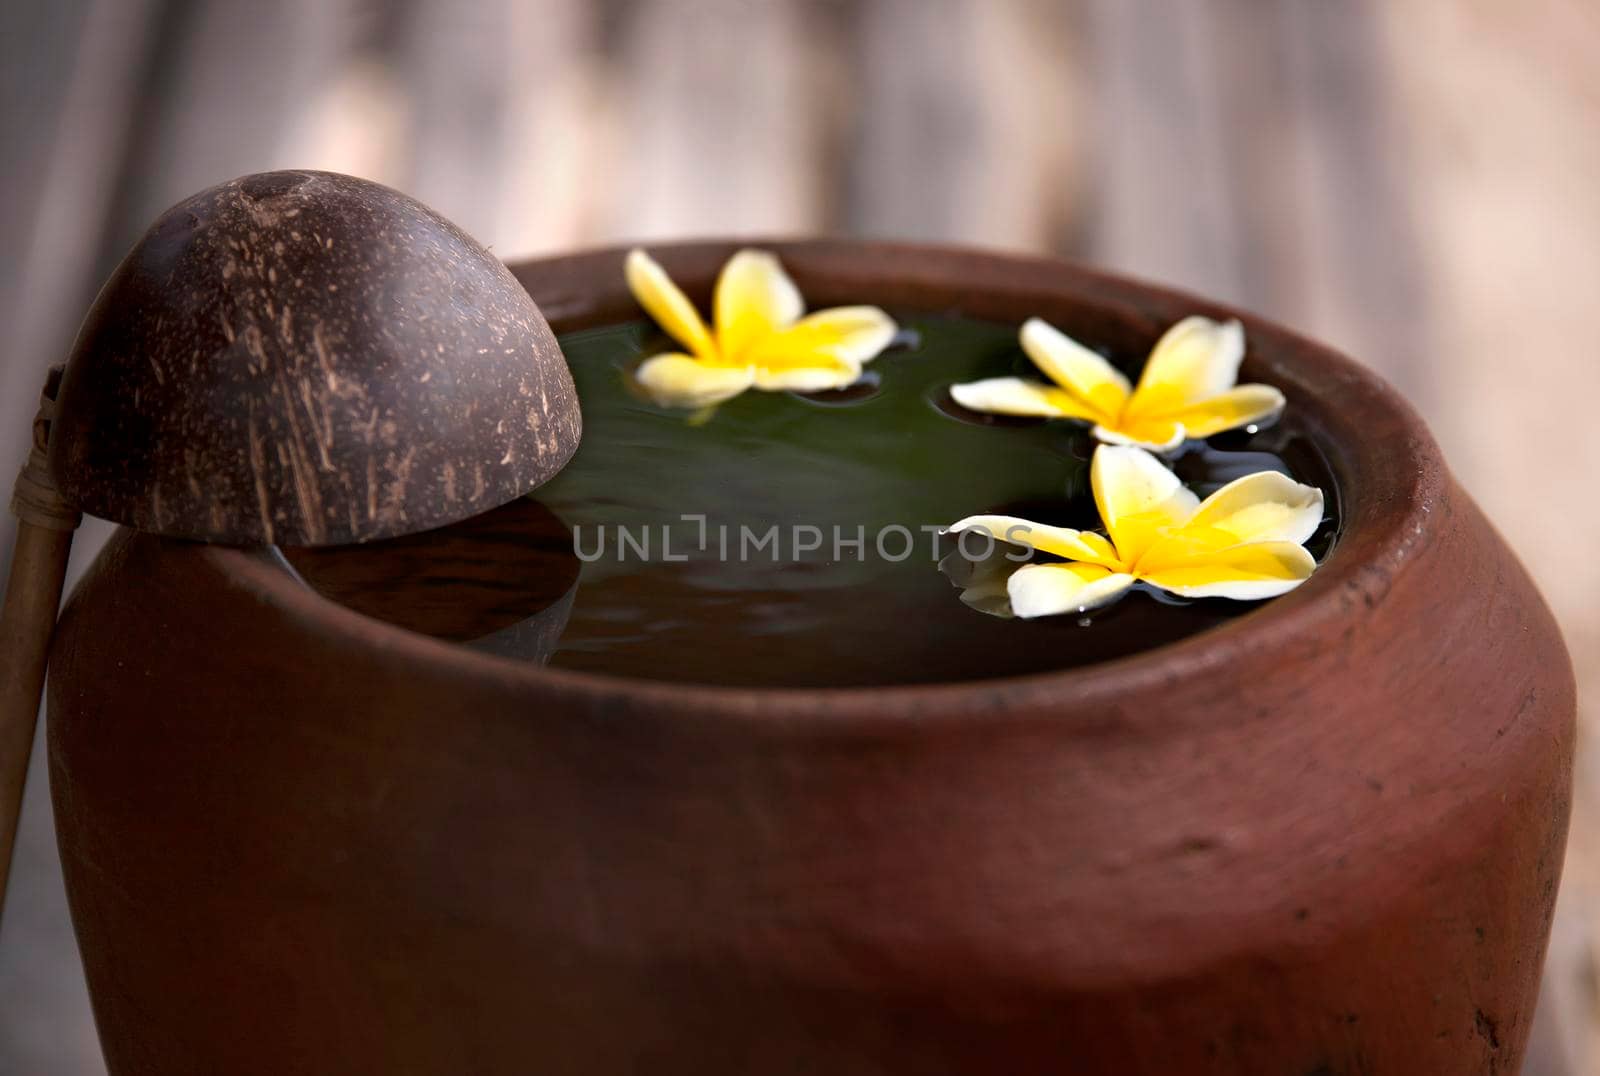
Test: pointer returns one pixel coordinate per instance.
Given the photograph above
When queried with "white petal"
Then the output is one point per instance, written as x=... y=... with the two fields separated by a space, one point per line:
x=676 y=380
x=1050 y=589
x=1194 y=360
x=1082 y=372
x=1060 y=541
x=1015 y=396
x=1263 y=507
x=806 y=378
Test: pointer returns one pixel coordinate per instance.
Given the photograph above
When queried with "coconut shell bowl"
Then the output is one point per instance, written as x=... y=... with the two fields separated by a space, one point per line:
x=1324 y=837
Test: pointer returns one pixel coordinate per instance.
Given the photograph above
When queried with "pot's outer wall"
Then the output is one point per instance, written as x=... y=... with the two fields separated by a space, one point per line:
x=1325 y=838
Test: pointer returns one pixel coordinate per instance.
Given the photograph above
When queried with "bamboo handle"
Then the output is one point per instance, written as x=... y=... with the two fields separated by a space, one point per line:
x=27 y=620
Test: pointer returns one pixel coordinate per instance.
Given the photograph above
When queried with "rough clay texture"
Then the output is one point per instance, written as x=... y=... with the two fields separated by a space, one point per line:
x=309 y=359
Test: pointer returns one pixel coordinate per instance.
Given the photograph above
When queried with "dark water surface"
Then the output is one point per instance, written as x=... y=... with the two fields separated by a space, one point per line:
x=748 y=606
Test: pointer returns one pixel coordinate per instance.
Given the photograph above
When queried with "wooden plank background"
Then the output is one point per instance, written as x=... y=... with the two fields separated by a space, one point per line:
x=1415 y=182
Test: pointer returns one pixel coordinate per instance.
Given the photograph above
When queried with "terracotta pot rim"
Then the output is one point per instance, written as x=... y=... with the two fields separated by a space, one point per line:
x=1358 y=420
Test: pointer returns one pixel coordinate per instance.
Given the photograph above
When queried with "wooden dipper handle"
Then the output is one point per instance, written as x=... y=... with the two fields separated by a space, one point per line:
x=27 y=620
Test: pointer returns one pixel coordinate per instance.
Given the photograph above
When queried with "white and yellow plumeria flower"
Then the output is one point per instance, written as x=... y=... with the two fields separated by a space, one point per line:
x=1188 y=387
x=759 y=337
x=1245 y=541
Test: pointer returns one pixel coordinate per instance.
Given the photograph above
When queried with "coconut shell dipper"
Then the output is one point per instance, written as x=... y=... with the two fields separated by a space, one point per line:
x=298 y=358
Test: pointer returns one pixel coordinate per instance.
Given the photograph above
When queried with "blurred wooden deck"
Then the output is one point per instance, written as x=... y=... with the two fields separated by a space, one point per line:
x=1415 y=182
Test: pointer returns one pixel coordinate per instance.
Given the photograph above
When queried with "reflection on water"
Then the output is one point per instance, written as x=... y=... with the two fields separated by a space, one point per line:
x=503 y=581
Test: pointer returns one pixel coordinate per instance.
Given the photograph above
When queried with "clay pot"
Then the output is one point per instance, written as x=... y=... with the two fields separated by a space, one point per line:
x=1324 y=838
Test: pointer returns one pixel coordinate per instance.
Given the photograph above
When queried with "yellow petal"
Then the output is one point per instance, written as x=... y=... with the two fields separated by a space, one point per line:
x=1194 y=360
x=1138 y=498
x=677 y=380
x=1158 y=435
x=853 y=333
x=665 y=302
x=1228 y=411
x=827 y=374
x=1075 y=368
x=1246 y=572
x=1015 y=396
x=754 y=299
x=1077 y=545
x=1263 y=507
x=784 y=364
x=1049 y=589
